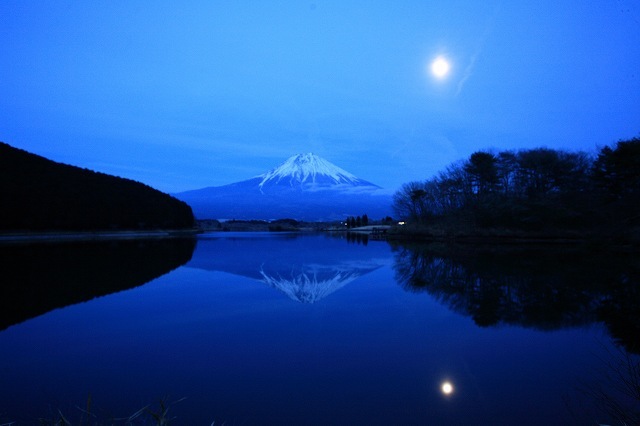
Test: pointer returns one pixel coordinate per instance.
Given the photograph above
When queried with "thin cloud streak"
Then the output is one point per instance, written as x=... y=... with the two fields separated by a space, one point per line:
x=468 y=71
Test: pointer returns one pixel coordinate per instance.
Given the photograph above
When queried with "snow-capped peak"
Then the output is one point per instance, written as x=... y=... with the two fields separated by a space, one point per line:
x=309 y=169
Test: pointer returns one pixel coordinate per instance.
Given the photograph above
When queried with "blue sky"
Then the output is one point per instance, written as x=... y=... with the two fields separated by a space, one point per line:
x=183 y=95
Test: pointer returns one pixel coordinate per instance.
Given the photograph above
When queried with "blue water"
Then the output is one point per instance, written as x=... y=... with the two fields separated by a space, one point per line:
x=220 y=333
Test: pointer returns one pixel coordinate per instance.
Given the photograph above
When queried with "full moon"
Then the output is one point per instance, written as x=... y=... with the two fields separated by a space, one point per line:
x=447 y=388
x=440 y=67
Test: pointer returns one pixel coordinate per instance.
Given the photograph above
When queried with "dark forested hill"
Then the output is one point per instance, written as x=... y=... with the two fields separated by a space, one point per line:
x=39 y=194
x=539 y=190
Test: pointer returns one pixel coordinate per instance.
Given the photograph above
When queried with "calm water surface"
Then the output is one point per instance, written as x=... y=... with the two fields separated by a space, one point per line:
x=286 y=329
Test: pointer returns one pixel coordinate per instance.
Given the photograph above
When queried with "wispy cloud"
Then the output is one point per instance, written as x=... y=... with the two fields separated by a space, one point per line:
x=468 y=71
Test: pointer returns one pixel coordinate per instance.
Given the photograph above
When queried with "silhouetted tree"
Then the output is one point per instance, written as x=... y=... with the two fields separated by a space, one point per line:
x=409 y=202
x=617 y=170
x=483 y=173
x=616 y=173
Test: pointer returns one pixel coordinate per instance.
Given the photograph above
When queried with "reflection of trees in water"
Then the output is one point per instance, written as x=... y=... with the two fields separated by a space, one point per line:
x=621 y=312
x=357 y=237
x=539 y=289
x=40 y=277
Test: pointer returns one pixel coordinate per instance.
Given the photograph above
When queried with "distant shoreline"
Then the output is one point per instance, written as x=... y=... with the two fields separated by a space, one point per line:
x=507 y=237
x=71 y=236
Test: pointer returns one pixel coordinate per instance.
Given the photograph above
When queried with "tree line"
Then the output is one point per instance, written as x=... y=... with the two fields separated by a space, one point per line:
x=355 y=222
x=531 y=189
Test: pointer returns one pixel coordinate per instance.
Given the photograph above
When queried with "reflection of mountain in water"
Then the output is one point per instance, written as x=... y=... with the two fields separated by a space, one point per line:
x=532 y=288
x=310 y=283
x=38 y=278
x=305 y=269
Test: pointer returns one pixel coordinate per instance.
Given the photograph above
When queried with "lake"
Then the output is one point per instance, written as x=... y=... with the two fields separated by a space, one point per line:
x=276 y=328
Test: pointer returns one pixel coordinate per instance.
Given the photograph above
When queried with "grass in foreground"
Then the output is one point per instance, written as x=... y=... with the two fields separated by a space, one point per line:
x=156 y=415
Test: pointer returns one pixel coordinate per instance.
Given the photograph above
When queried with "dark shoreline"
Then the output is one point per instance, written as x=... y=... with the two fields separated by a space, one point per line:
x=629 y=241
x=496 y=238
x=71 y=236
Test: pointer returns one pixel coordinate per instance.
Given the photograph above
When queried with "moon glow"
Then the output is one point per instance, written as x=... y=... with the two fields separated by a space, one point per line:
x=440 y=67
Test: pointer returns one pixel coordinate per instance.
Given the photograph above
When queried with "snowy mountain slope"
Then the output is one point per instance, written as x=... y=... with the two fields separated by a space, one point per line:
x=304 y=187
x=311 y=283
x=309 y=169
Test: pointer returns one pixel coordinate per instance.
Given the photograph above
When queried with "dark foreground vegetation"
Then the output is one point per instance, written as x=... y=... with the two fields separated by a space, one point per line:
x=38 y=194
x=542 y=192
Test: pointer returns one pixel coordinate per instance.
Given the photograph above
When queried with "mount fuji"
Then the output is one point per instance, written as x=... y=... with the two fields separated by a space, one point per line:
x=305 y=187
